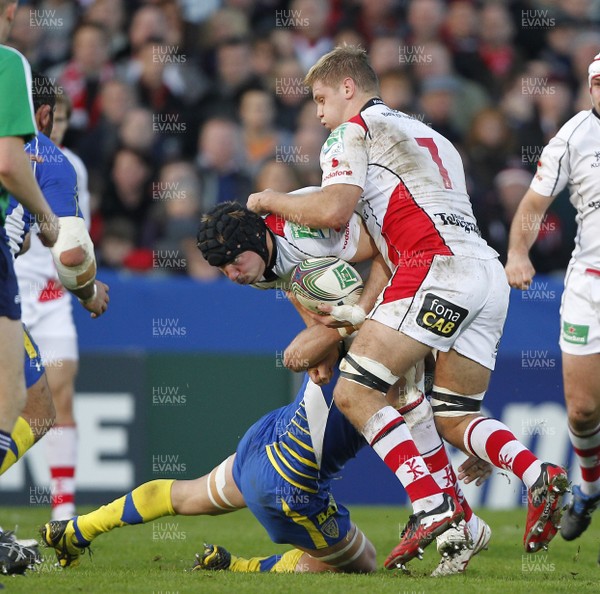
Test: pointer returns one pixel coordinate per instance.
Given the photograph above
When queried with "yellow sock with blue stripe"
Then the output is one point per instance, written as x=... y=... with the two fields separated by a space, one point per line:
x=145 y=503
x=21 y=439
x=285 y=563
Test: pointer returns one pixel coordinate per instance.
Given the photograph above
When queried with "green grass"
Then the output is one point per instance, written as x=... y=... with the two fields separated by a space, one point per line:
x=131 y=560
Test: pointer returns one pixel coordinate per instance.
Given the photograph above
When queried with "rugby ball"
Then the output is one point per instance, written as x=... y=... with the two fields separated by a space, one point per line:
x=328 y=281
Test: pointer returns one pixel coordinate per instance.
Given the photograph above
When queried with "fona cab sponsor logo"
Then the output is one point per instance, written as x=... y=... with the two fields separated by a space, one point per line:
x=440 y=316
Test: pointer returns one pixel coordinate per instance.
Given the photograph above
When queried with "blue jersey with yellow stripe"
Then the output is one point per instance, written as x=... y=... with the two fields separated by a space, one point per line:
x=285 y=463
x=57 y=179
x=310 y=440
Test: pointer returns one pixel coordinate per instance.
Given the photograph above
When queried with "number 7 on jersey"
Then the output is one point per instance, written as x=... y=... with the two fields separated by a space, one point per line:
x=430 y=145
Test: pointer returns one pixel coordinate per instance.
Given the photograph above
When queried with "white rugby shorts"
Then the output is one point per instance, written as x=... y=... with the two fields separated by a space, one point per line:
x=459 y=303
x=52 y=327
x=580 y=312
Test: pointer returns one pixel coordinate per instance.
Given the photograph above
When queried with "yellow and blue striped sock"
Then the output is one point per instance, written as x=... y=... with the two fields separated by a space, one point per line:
x=21 y=439
x=145 y=503
x=285 y=563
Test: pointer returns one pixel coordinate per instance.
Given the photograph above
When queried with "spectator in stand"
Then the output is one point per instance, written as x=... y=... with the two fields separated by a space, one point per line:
x=27 y=39
x=222 y=163
x=435 y=105
x=83 y=76
x=277 y=176
x=554 y=107
x=397 y=91
x=489 y=146
x=263 y=59
x=140 y=132
x=148 y=22
x=388 y=53
x=460 y=32
x=224 y=25
x=98 y=147
x=111 y=15
x=501 y=59
x=260 y=137
x=233 y=59
x=551 y=251
x=129 y=191
x=311 y=38
x=424 y=19
x=290 y=92
x=309 y=139
x=434 y=59
x=177 y=217
x=118 y=243
x=33 y=32
x=371 y=20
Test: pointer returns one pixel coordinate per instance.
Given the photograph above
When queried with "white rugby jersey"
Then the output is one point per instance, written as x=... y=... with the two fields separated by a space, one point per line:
x=295 y=243
x=35 y=270
x=573 y=157
x=414 y=201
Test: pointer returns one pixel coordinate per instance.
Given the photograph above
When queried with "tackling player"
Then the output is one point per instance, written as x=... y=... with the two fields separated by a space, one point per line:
x=448 y=292
x=572 y=158
x=263 y=252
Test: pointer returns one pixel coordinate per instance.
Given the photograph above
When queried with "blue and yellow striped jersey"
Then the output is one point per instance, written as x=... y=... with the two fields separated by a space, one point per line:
x=311 y=440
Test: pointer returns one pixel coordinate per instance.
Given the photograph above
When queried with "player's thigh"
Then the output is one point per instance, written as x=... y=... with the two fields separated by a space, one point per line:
x=353 y=554
x=214 y=493
x=460 y=376
x=581 y=375
x=12 y=382
x=459 y=373
x=393 y=349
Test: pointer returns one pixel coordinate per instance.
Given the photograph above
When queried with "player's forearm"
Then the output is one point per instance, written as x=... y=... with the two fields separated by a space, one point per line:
x=17 y=177
x=312 y=209
x=310 y=347
x=320 y=210
x=74 y=258
x=378 y=278
x=526 y=223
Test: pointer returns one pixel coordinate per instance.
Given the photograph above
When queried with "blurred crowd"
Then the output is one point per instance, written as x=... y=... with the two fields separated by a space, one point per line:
x=180 y=104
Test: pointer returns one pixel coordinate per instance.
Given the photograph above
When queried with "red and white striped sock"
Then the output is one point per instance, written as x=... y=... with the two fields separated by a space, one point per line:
x=419 y=419
x=587 y=450
x=389 y=436
x=61 y=453
x=493 y=441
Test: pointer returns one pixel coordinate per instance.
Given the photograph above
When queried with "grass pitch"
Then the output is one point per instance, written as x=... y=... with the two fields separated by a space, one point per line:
x=153 y=558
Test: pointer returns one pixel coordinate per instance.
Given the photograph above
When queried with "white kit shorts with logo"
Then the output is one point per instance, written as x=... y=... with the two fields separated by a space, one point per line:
x=580 y=312
x=52 y=327
x=461 y=303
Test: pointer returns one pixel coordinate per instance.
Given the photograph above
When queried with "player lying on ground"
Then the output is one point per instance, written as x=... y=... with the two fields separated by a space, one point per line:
x=262 y=252
x=282 y=471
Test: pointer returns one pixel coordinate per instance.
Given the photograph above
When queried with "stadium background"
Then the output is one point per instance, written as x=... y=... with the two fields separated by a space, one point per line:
x=179 y=105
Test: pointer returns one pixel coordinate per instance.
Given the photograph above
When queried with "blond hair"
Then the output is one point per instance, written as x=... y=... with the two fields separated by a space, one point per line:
x=342 y=62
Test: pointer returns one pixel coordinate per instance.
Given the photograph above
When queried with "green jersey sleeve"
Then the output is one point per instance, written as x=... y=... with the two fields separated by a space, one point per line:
x=16 y=105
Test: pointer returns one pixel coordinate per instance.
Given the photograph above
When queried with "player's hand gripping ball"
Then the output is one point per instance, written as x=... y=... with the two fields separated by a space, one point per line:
x=325 y=281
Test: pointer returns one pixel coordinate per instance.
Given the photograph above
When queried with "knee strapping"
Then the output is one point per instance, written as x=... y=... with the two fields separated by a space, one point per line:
x=367 y=372
x=446 y=403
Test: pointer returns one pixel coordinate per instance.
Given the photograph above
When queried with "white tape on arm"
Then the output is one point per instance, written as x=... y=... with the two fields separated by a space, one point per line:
x=354 y=314
x=73 y=234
